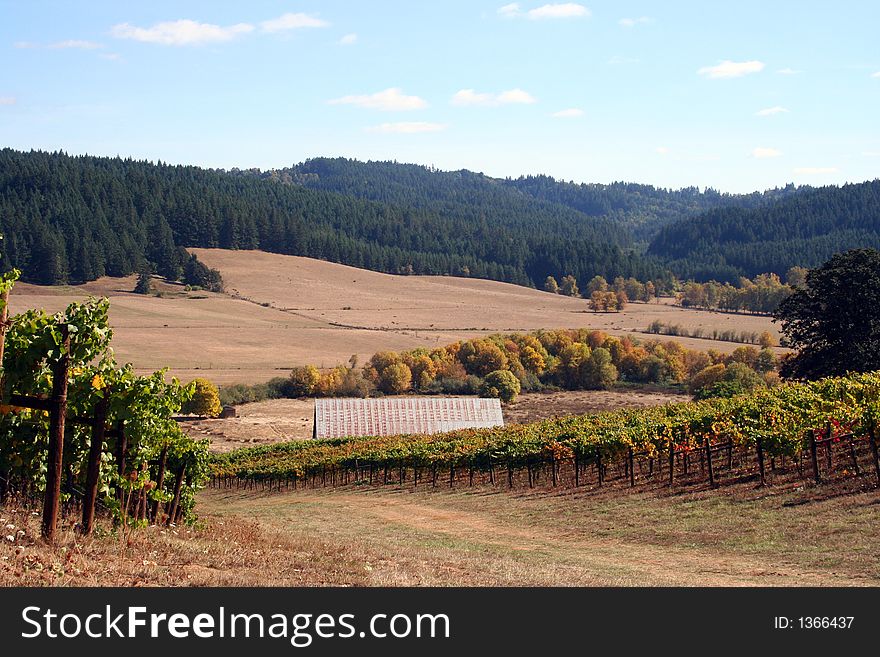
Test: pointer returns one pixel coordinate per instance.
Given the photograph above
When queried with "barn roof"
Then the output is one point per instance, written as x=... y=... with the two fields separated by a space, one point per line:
x=389 y=416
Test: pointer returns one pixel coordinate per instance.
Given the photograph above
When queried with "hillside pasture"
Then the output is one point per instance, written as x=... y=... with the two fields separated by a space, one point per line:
x=282 y=311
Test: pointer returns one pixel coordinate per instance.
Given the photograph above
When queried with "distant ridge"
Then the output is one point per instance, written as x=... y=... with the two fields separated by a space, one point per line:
x=805 y=230
x=76 y=218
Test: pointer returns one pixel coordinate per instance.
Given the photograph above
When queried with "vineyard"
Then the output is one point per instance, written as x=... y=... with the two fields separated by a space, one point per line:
x=814 y=430
x=84 y=434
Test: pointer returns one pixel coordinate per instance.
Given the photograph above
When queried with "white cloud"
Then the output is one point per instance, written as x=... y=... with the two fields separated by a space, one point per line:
x=408 y=127
x=556 y=10
x=561 y=10
x=788 y=71
x=78 y=44
x=571 y=113
x=112 y=56
x=469 y=97
x=348 y=39
x=389 y=100
x=7 y=100
x=292 y=21
x=661 y=150
x=632 y=22
x=809 y=171
x=24 y=44
x=762 y=153
x=510 y=11
x=516 y=97
x=875 y=75
x=770 y=111
x=183 y=32
x=729 y=69
x=871 y=153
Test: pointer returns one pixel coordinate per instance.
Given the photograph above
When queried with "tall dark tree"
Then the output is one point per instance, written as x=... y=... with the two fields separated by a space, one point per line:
x=834 y=319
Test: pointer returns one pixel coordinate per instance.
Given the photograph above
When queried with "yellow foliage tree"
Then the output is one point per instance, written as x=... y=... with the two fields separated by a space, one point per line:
x=205 y=401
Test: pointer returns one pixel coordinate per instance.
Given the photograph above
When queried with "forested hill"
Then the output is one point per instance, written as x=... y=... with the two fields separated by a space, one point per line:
x=636 y=211
x=805 y=229
x=642 y=209
x=71 y=219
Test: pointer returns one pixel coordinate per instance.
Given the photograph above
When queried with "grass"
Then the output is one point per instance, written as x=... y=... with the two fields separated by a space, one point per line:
x=789 y=534
x=738 y=537
x=283 y=311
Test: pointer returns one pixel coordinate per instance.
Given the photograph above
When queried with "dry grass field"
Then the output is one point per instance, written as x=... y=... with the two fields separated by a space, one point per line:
x=278 y=420
x=282 y=311
x=380 y=536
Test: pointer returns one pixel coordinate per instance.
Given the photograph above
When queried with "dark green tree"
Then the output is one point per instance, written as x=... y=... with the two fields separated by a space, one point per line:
x=197 y=273
x=144 y=283
x=834 y=319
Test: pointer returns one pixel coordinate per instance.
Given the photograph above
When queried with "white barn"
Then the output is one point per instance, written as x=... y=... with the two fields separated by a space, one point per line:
x=391 y=416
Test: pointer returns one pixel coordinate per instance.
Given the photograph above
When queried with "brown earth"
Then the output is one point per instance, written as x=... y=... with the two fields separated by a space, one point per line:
x=283 y=311
x=278 y=420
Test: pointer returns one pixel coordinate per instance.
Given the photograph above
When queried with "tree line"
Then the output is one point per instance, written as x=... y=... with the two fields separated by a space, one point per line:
x=504 y=365
x=72 y=219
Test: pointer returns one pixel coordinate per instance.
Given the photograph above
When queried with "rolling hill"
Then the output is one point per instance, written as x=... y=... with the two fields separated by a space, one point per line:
x=804 y=229
x=281 y=311
x=638 y=211
x=75 y=219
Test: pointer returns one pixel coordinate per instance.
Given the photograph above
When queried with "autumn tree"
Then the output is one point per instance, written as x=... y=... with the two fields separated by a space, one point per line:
x=599 y=373
x=737 y=379
x=796 y=276
x=481 y=357
x=501 y=384
x=550 y=285
x=569 y=286
x=395 y=379
x=302 y=382
x=605 y=301
x=767 y=339
x=205 y=401
x=597 y=284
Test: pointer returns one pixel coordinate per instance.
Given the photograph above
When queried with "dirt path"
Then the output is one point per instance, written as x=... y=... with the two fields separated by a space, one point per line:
x=658 y=564
x=500 y=539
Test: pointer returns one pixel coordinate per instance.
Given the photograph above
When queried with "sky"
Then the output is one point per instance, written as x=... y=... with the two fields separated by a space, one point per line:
x=735 y=96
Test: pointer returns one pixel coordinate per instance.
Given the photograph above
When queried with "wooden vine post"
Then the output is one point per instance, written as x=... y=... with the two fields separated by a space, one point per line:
x=815 y=457
x=121 y=449
x=160 y=482
x=709 y=463
x=872 y=437
x=93 y=472
x=760 y=446
x=632 y=475
x=57 y=413
x=178 y=484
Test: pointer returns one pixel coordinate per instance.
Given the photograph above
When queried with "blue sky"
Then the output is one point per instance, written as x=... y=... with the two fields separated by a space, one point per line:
x=736 y=96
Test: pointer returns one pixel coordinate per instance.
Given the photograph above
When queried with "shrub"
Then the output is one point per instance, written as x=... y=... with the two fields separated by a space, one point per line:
x=205 y=401
x=501 y=384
